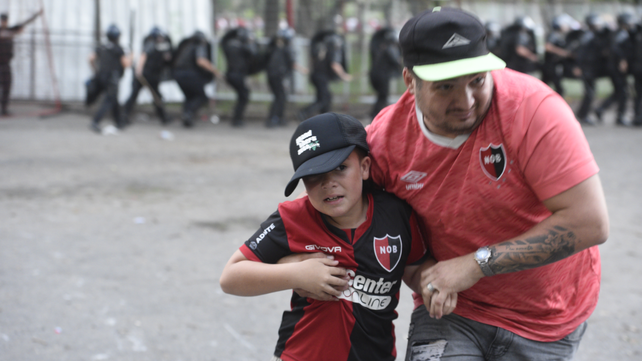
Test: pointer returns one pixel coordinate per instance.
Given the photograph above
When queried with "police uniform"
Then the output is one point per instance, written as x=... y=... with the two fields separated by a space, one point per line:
x=191 y=78
x=279 y=67
x=591 y=59
x=635 y=69
x=326 y=48
x=158 y=50
x=552 y=70
x=7 y=34
x=110 y=70
x=386 y=63
x=358 y=326
x=6 y=54
x=239 y=51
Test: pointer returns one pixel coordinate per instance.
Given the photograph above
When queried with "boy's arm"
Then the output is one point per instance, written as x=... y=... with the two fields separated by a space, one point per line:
x=412 y=278
x=243 y=277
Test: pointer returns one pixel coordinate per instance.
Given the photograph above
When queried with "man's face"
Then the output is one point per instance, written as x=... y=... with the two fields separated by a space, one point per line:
x=454 y=106
x=338 y=193
x=4 y=23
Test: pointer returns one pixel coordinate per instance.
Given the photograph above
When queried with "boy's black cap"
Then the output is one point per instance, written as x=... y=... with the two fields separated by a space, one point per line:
x=4 y=16
x=446 y=43
x=321 y=143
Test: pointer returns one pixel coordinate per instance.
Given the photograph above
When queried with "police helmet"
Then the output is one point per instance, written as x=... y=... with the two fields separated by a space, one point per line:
x=286 y=33
x=493 y=28
x=156 y=31
x=594 y=21
x=626 y=19
x=525 y=22
x=390 y=35
x=113 y=33
x=199 y=36
x=242 y=33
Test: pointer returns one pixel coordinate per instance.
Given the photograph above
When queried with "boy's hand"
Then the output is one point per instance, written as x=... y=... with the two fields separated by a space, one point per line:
x=436 y=308
x=321 y=279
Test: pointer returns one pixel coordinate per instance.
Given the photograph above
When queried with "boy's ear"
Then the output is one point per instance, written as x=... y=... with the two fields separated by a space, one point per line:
x=366 y=162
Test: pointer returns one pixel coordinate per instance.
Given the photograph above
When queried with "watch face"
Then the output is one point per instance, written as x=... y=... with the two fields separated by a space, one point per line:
x=482 y=254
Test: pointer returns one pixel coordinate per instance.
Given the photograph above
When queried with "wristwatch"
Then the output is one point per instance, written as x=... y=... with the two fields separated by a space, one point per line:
x=482 y=256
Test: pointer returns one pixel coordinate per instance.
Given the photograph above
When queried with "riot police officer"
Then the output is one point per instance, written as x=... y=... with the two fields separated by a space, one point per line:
x=493 y=37
x=635 y=69
x=328 y=58
x=617 y=62
x=280 y=62
x=108 y=62
x=556 y=52
x=154 y=60
x=240 y=49
x=193 y=69
x=385 y=56
x=7 y=33
x=518 y=45
x=591 y=62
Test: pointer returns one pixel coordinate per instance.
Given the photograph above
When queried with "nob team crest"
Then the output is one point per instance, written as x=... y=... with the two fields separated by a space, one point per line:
x=493 y=161
x=388 y=251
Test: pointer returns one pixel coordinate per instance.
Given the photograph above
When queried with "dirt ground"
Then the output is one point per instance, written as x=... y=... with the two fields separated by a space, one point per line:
x=111 y=246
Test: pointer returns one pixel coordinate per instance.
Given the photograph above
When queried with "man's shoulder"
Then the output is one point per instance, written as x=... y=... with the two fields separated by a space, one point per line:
x=514 y=88
x=394 y=117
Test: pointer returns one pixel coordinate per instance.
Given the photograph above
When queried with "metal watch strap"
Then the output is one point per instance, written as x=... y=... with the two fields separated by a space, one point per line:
x=485 y=267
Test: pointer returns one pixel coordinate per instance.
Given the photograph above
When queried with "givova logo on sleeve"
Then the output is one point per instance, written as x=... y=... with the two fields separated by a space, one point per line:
x=388 y=251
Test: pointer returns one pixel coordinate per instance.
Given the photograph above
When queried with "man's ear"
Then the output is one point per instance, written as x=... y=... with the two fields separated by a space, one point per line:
x=409 y=80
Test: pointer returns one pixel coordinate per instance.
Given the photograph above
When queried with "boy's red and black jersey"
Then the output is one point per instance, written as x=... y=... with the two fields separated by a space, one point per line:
x=359 y=326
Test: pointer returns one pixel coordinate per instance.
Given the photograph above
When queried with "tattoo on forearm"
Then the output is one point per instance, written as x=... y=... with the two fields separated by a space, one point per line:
x=519 y=255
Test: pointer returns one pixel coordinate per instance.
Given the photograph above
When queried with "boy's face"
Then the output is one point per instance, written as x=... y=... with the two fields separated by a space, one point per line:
x=338 y=193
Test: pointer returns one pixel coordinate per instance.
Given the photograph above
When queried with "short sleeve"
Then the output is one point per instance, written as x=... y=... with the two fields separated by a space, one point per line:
x=554 y=154
x=269 y=243
x=201 y=52
x=418 y=252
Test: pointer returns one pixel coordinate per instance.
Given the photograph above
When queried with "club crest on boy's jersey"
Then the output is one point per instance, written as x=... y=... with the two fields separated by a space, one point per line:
x=493 y=161
x=388 y=251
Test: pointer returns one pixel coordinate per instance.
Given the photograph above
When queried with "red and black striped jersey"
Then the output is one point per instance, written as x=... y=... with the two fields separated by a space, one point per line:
x=359 y=326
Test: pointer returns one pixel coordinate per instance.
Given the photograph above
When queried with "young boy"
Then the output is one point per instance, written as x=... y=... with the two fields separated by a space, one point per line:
x=371 y=239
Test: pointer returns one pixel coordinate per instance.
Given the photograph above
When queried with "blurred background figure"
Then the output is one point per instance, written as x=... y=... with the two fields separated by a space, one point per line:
x=280 y=63
x=385 y=60
x=193 y=69
x=519 y=49
x=329 y=63
x=635 y=69
x=591 y=62
x=618 y=54
x=152 y=64
x=108 y=63
x=493 y=37
x=555 y=51
x=7 y=33
x=240 y=49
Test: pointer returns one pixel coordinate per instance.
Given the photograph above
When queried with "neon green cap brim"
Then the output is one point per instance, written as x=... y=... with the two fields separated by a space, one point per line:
x=456 y=68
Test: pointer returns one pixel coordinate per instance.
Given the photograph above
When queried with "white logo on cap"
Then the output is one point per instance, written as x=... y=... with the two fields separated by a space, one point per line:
x=307 y=141
x=456 y=40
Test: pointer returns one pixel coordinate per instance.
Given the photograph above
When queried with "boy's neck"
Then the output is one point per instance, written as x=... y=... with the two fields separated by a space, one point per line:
x=351 y=221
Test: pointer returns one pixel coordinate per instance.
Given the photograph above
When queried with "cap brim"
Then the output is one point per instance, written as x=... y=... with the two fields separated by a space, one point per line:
x=456 y=68
x=320 y=164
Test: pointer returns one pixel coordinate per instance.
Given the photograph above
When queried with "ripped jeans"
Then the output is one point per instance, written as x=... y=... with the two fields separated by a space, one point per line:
x=456 y=338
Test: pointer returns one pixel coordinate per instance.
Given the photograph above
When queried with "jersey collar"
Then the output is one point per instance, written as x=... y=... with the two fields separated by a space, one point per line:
x=439 y=140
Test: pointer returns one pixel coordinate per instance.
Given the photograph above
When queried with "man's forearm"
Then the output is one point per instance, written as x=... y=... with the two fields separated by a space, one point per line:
x=534 y=251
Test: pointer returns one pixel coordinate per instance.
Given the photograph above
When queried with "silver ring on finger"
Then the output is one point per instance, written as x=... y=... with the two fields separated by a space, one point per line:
x=430 y=288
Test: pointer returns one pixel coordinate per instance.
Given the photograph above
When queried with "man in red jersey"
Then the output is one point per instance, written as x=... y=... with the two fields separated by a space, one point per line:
x=506 y=189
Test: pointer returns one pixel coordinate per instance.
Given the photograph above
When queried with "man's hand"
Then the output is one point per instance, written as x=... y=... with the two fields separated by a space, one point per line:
x=448 y=278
